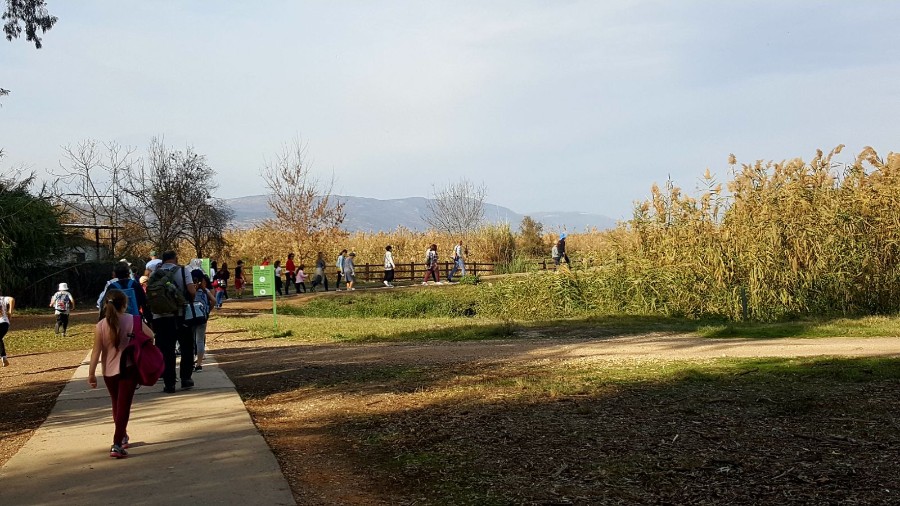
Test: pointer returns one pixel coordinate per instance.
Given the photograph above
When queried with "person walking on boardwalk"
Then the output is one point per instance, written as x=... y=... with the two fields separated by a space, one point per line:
x=349 y=270
x=111 y=336
x=459 y=261
x=561 y=251
x=278 y=273
x=388 y=267
x=431 y=260
x=300 y=281
x=7 y=305
x=320 y=276
x=340 y=269
x=62 y=302
x=290 y=270
x=239 y=278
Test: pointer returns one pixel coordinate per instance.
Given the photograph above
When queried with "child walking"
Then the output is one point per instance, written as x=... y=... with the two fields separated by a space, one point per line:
x=62 y=302
x=278 y=274
x=7 y=304
x=206 y=298
x=301 y=279
x=111 y=336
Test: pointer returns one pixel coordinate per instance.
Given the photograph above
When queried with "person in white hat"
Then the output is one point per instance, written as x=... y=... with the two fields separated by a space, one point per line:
x=62 y=302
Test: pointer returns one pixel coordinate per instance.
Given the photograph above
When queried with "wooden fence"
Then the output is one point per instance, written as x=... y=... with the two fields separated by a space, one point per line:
x=415 y=272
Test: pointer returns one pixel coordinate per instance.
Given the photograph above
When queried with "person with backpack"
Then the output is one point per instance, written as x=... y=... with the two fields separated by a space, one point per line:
x=111 y=335
x=222 y=276
x=168 y=291
x=137 y=299
x=431 y=261
x=204 y=301
x=7 y=304
x=62 y=302
x=340 y=270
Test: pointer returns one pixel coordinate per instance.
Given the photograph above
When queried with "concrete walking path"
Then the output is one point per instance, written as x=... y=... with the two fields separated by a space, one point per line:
x=191 y=447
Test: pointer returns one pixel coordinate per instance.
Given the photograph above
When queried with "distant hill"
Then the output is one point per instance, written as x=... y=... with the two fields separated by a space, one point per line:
x=368 y=214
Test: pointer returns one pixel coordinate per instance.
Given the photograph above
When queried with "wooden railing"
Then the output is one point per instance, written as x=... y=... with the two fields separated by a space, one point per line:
x=415 y=272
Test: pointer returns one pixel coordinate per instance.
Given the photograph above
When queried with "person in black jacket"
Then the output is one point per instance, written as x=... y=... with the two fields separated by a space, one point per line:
x=561 y=250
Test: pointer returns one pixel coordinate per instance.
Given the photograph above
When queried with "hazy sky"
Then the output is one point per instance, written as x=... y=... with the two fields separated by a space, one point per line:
x=554 y=105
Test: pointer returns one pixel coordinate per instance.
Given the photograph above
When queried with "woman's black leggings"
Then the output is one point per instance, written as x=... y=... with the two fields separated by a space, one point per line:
x=4 y=328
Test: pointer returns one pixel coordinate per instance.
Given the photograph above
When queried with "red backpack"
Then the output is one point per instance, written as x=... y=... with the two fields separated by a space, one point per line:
x=144 y=355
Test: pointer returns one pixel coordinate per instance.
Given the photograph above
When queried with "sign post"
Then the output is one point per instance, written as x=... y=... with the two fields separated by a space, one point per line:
x=263 y=285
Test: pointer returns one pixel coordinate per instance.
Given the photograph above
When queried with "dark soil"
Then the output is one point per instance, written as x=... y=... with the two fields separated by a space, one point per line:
x=376 y=430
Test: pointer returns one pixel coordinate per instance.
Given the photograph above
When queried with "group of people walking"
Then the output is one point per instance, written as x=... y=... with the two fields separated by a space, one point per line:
x=292 y=275
x=170 y=304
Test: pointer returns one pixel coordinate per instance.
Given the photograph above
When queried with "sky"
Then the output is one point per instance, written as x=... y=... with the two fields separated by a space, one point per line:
x=552 y=105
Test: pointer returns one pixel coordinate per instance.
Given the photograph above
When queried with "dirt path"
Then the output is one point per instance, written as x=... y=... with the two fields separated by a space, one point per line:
x=652 y=346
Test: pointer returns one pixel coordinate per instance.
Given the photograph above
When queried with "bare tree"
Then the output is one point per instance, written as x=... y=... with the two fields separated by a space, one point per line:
x=205 y=223
x=457 y=208
x=302 y=204
x=93 y=184
x=162 y=191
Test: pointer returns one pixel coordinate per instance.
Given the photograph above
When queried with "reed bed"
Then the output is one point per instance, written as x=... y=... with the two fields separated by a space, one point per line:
x=779 y=240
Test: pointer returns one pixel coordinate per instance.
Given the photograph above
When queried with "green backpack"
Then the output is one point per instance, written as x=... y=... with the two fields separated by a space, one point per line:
x=163 y=294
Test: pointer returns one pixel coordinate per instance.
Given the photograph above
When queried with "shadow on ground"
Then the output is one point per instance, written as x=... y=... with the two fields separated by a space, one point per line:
x=470 y=431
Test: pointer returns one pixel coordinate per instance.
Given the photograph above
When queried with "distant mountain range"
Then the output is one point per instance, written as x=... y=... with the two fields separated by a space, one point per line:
x=367 y=214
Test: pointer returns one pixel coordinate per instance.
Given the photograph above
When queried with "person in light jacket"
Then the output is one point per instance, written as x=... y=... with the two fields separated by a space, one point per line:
x=388 y=267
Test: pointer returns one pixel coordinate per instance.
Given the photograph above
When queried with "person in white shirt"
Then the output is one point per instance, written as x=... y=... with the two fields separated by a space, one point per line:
x=459 y=261
x=388 y=267
x=62 y=302
x=7 y=304
x=152 y=264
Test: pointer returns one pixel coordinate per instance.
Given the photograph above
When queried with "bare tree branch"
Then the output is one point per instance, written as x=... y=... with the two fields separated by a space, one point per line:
x=457 y=208
x=301 y=203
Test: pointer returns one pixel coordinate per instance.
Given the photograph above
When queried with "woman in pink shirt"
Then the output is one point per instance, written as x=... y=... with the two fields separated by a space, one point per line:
x=111 y=336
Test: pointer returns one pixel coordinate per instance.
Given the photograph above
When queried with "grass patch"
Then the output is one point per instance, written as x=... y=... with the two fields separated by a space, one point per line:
x=868 y=326
x=407 y=303
x=366 y=330
x=40 y=338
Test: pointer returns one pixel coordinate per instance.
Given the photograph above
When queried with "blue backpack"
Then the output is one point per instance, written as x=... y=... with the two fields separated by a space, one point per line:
x=132 y=308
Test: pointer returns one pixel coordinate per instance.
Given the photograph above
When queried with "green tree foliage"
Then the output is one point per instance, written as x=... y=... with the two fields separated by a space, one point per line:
x=30 y=229
x=530 y=240
x=32 y=14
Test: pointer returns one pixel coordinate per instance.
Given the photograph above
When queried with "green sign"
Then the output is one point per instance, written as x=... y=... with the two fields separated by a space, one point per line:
x=204 y=264
x=263 y=280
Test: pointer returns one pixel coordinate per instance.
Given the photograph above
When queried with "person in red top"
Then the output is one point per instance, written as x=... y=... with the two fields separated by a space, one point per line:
x=265 y=261
x=291 y=270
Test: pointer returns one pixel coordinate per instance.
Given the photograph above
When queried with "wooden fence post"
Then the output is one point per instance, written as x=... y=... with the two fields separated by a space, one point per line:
x=412 y=271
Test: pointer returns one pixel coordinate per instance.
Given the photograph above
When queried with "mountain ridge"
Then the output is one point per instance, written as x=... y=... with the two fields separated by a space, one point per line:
x=368 y=214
